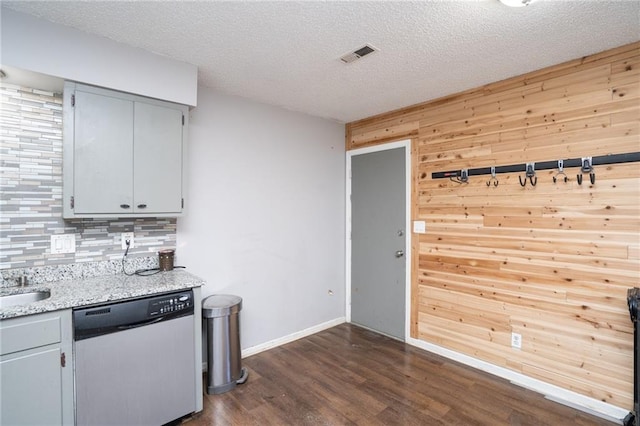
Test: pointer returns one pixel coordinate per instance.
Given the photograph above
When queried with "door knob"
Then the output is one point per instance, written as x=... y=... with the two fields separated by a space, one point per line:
x=399 y=253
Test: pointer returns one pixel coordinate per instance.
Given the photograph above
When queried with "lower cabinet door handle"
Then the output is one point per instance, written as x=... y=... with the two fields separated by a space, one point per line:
x=142 y=206
x=124 y=206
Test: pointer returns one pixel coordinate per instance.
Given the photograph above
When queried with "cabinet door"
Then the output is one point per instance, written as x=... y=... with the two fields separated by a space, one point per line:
x=157 y=159
x=31 y=387
x=103 y=154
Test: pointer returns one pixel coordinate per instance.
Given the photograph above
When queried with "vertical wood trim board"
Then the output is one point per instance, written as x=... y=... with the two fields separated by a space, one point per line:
x=551 y=262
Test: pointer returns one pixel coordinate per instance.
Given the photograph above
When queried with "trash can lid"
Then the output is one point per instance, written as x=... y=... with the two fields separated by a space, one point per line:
x=219 y=305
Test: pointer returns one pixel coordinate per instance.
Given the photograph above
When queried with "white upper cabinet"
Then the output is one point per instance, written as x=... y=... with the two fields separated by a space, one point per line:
x=157 y=171
x=102 y=154
x=123 y=154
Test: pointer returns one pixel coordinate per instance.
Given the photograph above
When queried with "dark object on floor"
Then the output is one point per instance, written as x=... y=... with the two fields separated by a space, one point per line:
x=633 y=300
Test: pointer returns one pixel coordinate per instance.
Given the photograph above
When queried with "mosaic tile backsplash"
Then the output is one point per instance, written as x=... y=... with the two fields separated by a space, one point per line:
x=31 y=193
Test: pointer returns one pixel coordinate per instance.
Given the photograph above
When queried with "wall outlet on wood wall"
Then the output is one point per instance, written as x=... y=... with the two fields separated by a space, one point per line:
x=516 y=340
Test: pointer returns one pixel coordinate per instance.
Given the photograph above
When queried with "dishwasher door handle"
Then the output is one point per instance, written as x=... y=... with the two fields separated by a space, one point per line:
x=140 y=324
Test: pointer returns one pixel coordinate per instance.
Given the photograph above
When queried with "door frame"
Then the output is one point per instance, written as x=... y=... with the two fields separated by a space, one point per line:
x=406 y=144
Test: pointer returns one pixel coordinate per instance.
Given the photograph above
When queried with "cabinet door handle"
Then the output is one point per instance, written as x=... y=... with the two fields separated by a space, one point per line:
x=124 y=206
x=142 y=206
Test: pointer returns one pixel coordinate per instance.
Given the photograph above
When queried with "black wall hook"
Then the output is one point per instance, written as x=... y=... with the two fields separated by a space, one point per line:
x=561 y=172
x=587 y=167
x=530 y=174
x=592 y=178
x=461 y=177
x=493 y=178
x=532 y=179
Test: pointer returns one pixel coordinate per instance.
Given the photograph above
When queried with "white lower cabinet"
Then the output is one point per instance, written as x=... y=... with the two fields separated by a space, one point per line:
x=36 y=370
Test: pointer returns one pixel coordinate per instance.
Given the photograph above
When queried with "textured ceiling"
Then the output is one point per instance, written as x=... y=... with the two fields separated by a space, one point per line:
x=286 y=53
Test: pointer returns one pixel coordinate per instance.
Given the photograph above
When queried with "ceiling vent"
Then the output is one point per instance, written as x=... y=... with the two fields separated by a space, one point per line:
x=358 y=53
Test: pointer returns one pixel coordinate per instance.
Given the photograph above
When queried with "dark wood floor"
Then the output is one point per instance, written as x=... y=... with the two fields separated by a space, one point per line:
x=348 y=375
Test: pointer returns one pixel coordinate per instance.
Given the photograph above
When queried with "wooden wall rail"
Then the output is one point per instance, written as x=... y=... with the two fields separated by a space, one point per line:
x=551 y=262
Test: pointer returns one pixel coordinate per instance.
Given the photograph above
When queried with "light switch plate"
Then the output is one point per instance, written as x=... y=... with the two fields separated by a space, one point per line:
x=63 y=243
x=419 y=227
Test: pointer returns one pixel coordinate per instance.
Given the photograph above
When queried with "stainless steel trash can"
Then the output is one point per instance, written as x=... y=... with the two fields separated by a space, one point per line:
x=224 y=358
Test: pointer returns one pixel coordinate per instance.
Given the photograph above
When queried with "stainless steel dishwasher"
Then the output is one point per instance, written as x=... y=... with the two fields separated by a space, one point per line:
x=135 y=361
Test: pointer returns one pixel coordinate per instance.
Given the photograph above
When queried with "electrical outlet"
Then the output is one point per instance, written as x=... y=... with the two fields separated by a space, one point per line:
x=516 y=341
x=126 y=236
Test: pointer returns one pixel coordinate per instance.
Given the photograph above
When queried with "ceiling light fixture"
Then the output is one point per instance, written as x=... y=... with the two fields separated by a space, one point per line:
x=516 y=3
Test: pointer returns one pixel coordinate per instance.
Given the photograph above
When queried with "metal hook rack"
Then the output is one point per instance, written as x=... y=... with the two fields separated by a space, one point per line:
x=561 y=172
x=463 y=177
x=493 y=178
x=587 y=167
x=630 y=157
x=530 y=173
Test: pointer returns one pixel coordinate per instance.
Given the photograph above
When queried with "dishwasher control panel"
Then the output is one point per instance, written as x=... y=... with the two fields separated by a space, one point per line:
x=171 y=303
x=93 y=321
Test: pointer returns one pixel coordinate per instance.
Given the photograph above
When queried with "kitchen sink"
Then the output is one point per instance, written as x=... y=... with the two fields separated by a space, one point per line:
x=23 y=298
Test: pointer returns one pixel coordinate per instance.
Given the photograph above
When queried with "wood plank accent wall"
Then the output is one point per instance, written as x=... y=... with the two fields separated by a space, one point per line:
x=551 y=262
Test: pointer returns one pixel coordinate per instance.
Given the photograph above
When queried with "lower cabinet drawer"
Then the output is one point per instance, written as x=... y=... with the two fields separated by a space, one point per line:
x=19 y=334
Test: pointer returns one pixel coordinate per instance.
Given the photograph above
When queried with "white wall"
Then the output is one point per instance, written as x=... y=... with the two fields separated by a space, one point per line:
x=265 y=216
x=41 y=46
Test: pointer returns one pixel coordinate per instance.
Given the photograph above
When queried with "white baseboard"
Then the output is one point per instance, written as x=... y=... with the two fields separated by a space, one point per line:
x=291 y=337
x=551 y=392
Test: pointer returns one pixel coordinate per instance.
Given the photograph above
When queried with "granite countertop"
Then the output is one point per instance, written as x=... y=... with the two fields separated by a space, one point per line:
x=74 y=293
